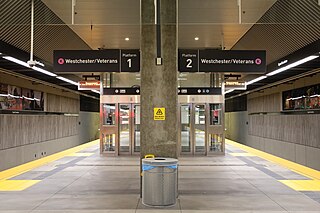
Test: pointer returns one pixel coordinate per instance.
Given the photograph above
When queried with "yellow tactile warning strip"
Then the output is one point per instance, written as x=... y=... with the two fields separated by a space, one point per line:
x=298 y=185
x=16 y=185
x=302 y=185
x=80 y=154
x=245 y=154
x=15 y=171
x=300 y=169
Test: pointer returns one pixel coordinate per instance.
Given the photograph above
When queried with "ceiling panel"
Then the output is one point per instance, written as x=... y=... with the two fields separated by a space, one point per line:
x=107 y=22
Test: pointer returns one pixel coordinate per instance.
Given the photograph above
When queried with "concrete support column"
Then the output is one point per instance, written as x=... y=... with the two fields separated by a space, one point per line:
x=159 y=82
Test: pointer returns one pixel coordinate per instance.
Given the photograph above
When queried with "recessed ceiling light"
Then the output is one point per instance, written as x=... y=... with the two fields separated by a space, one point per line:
x=196 y=38
x=127 y=39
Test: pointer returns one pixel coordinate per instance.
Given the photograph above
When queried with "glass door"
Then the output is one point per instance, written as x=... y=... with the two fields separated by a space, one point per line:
x=108 y=128
x=193 y=128
x=199 y=128
x=124 y=128
x=136 y=128
x=185 y=128
x=129 y=129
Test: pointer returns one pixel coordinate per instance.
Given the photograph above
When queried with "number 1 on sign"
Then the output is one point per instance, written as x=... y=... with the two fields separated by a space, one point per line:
x=129 y=62
x=189 y=63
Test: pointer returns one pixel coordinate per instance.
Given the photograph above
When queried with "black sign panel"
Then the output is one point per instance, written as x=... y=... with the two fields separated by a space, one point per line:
x=199 y=91
x=121 y=91
x=96 y=60
x=209 y=60
x=188 y=60
x=130 y=60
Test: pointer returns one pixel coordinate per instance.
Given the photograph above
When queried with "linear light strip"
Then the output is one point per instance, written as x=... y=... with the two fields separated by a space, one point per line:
x=17 y=61
x=282 y=69
x=297 y=63
x=67 y=80
x=228 y=91
x=256 y=80
x=25 y=64
x=44 y=71
x=95 y=91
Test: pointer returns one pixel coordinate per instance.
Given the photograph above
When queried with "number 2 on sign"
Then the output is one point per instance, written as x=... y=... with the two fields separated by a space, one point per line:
x=129 y=62
x=189 y=63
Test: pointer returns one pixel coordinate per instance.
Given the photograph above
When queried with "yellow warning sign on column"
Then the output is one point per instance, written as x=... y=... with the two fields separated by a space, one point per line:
x=159 y=114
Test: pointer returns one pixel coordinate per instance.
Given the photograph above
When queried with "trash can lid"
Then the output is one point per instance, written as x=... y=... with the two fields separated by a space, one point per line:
x=159 y=161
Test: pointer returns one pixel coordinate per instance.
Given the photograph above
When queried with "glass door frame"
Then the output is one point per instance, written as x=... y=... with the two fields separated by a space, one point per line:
x=192 y=132
x=131 y=122
x=108 y=130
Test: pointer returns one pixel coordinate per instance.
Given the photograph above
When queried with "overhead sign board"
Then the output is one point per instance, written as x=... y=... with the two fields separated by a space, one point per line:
x=159 y=114
x=111 y=60
x=199 y=91
x=209 y=60
x=238 y=85
x=89 y=85
x=121 y=91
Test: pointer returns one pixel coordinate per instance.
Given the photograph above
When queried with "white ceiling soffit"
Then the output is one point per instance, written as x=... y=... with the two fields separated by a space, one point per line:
x=106 y=23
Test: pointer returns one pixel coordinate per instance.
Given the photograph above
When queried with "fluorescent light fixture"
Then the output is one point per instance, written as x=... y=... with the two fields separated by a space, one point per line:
x=297 y=63
x=67 y=80
x=256 y=80
x=228 y=91
x=43 y=71
x=96 y=91
x=17 y=61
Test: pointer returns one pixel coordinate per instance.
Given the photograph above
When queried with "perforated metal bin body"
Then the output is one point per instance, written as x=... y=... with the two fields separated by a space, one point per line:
x=159 y=181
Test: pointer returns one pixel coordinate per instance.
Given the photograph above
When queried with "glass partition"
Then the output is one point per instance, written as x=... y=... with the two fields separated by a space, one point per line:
x=215 y=142
x=137 y=128
x=215 y=114
x=109 y=142
x=109 y=117
x=124 y=127
x=199 y=127
x=185 y=128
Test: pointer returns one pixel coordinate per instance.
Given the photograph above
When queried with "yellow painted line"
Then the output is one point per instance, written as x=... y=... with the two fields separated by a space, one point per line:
x=9 y=173
x=302 y=185
x=242 y=154
x=16 y=185
x=80 y=154
x=303 y=170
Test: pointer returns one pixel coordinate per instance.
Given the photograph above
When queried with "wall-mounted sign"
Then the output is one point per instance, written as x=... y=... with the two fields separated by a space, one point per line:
x=159 y=114
x=199 y=91
x=209 y=60
x=121 y=91
x=238 y=85
x=112 y=60
x=89 y=85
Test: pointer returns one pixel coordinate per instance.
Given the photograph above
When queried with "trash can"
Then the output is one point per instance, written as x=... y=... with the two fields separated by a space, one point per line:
x=159 y=181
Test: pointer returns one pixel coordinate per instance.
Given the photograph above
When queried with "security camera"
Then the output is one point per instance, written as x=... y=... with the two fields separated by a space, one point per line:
x=31 y=63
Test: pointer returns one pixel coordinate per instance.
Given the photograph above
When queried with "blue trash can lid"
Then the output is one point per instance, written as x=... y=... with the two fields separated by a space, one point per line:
x=159 y=161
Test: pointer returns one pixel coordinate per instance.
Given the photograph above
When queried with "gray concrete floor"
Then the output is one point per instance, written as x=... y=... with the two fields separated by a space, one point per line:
x=99 y=184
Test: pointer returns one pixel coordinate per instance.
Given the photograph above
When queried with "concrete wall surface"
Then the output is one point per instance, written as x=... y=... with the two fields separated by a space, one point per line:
x=88 y=125
x=237 y=130
x=266 y=127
